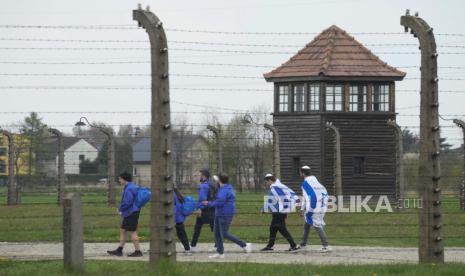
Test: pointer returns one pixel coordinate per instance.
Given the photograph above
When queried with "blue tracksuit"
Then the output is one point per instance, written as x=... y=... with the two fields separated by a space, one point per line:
x=203 y=193
x=225 y=208
x=128 y=199
x=179 y=217
x=225 y=202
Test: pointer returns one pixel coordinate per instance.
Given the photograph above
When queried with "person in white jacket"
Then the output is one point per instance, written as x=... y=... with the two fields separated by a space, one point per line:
x=314 y=206
x=280 y=201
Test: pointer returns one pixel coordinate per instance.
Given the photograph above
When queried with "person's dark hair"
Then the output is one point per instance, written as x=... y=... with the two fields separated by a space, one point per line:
x=223 y=178
x=305 y=170
x=126 y=176
x=270 y=177
x=179 y=195
x=205 y=172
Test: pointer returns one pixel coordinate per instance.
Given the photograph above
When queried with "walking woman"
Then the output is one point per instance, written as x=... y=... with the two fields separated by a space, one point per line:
x=179 y=219
x=225 y=209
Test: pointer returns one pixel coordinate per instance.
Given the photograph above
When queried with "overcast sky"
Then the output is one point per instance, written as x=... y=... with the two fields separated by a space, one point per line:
x=355 y=16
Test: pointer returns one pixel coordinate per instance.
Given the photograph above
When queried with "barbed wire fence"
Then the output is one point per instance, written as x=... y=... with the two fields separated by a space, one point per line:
x=341 y=228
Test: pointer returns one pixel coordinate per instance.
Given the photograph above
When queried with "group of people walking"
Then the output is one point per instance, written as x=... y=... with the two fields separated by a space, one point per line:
x=217 y=208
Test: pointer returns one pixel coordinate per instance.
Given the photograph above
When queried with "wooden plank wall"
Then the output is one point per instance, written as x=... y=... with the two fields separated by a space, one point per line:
x=299 y=137
x=363 y=135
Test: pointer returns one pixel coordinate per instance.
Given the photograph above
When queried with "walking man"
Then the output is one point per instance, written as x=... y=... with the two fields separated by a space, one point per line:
x=314 y=206
x=225 y=209
x=130 y=214
x=280 y=202
x=207 y=213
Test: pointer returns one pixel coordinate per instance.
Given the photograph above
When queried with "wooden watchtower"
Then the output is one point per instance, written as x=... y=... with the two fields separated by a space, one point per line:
x=336 y=79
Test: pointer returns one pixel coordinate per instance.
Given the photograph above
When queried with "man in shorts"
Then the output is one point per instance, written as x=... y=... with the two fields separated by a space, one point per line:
x=130 y=214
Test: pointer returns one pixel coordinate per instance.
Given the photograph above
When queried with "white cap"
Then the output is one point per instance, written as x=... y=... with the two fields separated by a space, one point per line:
x=268 y=176
x=305 y=168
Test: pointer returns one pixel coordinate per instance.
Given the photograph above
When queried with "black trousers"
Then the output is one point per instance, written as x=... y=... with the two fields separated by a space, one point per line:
x=182 y=236
x=207 y=217
x=278 y=224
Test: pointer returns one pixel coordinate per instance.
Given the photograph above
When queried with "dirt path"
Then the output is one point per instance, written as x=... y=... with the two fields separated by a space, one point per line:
x=339 y=254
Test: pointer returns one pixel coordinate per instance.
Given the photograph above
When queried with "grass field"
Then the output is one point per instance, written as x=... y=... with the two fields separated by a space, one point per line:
x=39 y=219
x=224 y=269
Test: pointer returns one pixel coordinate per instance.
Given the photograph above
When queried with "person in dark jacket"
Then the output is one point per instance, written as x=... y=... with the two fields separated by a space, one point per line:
x=206 y=214
x=225 y=209
x=130 y=214
x=179 y=219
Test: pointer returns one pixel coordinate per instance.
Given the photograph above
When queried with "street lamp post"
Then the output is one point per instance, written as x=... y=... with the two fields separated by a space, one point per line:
x=217 y=132
x=110 y=159
x=61 y=165
x=276 y=153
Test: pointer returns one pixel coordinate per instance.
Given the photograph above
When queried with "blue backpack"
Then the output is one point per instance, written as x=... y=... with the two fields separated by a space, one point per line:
x=189 y=206
x=143 y=196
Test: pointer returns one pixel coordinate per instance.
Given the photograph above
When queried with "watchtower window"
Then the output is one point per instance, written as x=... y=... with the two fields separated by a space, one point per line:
x=2 y=166
x=334 y=98
x=299 y=97
x=314 y=97
x=380 y=98
x=296 y=165
x=283 y=98
x=359 y=165
x=358 y=98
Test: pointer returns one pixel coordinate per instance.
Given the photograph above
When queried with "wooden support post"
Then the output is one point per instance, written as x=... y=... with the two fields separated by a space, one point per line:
x=431 y=247
x=461 y=124
x=276 y=152
x=111 y=175
x=73 y=233
x=61 y=165
x=219 y=159
x=162 y=242
x=370 y=97
x=400 y=182
x=12 y=194
x=337 y=159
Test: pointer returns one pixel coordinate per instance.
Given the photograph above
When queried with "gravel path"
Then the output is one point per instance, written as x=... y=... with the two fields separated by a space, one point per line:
x=339 y=254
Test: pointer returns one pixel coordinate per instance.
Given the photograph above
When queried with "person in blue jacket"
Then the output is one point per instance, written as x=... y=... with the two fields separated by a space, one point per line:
x=206 y=214
x=225 y=209
x=179 y=219
x=130 y=214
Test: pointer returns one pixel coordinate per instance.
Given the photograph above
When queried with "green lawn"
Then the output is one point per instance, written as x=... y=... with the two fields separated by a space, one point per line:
x=224 y=269
x=39 y=219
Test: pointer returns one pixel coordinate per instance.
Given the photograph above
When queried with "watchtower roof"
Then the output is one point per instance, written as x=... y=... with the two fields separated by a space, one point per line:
x=334 y=54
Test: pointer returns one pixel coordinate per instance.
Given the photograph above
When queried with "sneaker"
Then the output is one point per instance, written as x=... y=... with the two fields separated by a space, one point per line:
x=295 y=248
x=210 y=250
x=216 y=256
x=248 y=248
x=193 y=248
x=267 y=249
x=187 y=252
x=117 y=252
x=136 y=253
x=325 y=249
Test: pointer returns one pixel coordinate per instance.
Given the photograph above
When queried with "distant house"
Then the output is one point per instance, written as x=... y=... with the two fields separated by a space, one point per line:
x=21 y=160
x=76 y=151
x=190 y=154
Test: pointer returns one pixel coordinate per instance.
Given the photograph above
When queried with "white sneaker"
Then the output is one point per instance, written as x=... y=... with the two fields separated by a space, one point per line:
x=325 y=249
x=188 y=252
x=216 y=256
x=193 y=249
x=210 y=250
x=248 y=248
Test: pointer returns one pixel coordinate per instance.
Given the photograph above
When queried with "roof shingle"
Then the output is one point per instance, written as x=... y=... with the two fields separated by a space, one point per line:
x=334 y=53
